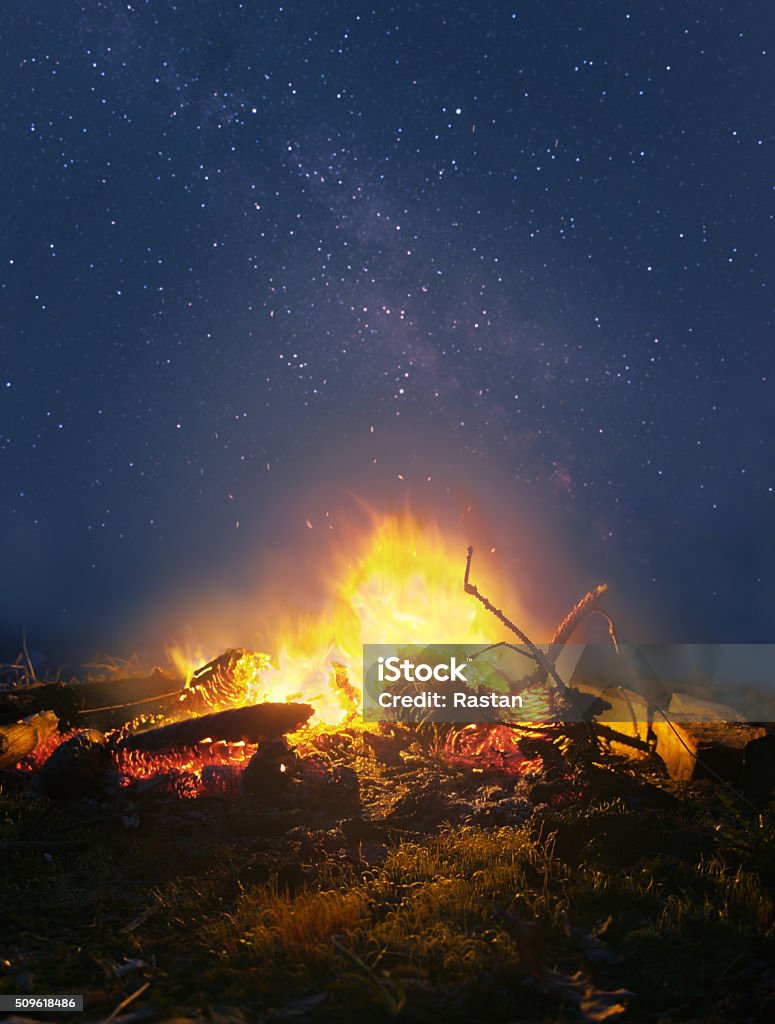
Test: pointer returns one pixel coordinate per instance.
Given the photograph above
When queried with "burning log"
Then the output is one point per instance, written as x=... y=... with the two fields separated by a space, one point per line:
x=76 y=767
x=108 y=704
x=21 y=738
x=213 y=685
x=251 y=724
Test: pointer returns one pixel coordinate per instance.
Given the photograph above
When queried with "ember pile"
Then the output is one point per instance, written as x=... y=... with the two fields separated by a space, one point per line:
x=201 y=726
x=89 y=739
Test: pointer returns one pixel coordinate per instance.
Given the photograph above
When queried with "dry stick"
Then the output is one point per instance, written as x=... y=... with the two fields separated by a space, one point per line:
x=587 y=604
x=471 y=588
x=140 y=919
x=131 y=703
x=126 y=1002
x=611 y=627
x=567 y=627
x=30 y=666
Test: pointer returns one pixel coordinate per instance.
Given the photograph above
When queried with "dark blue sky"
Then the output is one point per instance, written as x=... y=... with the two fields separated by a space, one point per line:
x=528 y=242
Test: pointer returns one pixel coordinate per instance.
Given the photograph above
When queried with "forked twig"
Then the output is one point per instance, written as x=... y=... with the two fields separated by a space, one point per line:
x=540 y=658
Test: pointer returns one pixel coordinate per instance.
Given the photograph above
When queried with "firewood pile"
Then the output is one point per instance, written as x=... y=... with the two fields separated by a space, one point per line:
x=81 y=738
x=195 y=738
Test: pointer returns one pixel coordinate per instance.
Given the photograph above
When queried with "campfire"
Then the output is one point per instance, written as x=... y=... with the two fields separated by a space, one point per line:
x=244 y=717
x=265 y=759
x=203 y=721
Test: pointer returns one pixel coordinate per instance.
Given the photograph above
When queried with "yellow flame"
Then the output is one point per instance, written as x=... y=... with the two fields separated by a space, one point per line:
x=399 y=583
x=186 y=660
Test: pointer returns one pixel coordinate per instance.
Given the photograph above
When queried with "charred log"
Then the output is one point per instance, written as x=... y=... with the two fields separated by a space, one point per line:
x=696 y=750
x=21 y=738
x=24 y=701
x=213 y=685
x=251 y=724
x=108 y=704
x=104 y=704
x=758 y=776
x=77 y=767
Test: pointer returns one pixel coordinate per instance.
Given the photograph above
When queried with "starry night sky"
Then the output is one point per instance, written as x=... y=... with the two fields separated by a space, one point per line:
x=250 y=248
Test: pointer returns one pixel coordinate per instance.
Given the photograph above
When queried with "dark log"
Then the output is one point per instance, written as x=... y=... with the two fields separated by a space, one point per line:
x=103 y=693
x=104 y=703
x=108 y=704
x=170 y=705
x=696 y=750
x=758 y=776
x=250 y=724
x=21 y=738
x=23 y=701
x=77 y=767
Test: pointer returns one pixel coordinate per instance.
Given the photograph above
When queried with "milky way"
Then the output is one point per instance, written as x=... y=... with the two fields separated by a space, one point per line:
x=532 y=241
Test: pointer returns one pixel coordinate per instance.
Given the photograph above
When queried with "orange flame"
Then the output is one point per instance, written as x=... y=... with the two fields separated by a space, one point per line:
x=400 y=582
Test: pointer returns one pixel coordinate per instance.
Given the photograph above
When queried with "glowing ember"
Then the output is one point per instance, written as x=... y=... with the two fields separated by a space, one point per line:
x=137 y=765
x=488 y=747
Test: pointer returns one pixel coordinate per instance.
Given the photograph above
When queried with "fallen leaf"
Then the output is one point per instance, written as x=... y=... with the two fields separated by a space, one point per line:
x=595 y=1004
x=588 y=940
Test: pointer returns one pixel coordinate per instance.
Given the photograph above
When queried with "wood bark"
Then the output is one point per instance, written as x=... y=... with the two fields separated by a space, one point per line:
x=21 y=738
x=104 y=703
x=251 y=724
x=107 y=704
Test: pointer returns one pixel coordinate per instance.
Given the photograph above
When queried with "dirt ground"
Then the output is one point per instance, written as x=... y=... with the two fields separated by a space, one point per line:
x=394 y=882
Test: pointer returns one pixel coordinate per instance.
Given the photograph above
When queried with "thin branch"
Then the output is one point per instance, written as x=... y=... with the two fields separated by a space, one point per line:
x=502 y=643
x=587 y=604
x=27 y=658
x=540 y=658
x=611 y=627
